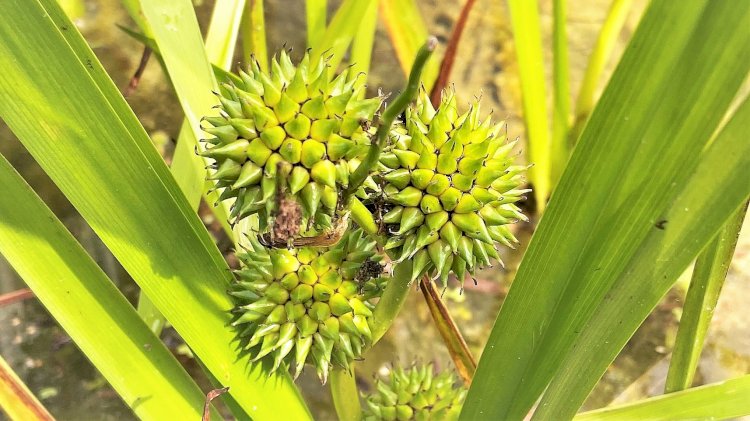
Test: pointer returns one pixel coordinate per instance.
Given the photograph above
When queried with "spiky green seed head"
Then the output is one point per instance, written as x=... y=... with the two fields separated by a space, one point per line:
x=296 y=128
x=450 y=186
x=415 y=394
x=308 y=304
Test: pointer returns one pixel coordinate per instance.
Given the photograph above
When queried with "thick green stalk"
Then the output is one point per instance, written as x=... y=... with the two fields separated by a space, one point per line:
x=708 y=277
x=561 y=86
x=389 y=115
x=345 y=394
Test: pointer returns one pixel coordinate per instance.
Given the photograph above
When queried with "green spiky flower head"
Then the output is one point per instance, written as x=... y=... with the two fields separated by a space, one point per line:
x=415 y=394
x=451 y=187
x=296 y=128
x=311 y=304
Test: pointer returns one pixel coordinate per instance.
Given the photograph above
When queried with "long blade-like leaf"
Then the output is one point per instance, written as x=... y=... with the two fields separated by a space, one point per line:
x=598 y=59
x=316 y=13
x=705 y=287
x=339 y=34
x=694 y=217
x=559 y=150
x=408 y=31
x=527 y=36
x=175 y=30
x=187 y=168
x=642 y=143
x=221 y=37
x=362 y=45
x=253 y=30
x=86 y=303
x=716 y=401
x=81 y=131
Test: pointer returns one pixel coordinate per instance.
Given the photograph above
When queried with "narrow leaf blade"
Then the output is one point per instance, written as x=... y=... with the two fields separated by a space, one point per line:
x=408 y=31
x=716 y=401
x=528 y=42
x=668 y=93
x=86 y=303
x=705 y=286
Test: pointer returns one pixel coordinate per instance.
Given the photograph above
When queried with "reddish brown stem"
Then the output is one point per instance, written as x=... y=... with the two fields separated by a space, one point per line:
x=450 y=54
x=209 y=397
x=465 y=363
x=22 y=403
x=15 y=296
x=138 y=72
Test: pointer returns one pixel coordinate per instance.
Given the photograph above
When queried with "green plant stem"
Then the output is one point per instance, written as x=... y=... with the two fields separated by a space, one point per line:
x=345 y=394
x=708 y=277
x=395 y=293
x=253 y=33
x=561 y=85
x=389 y=115
x=601 y=54
x=465 y=363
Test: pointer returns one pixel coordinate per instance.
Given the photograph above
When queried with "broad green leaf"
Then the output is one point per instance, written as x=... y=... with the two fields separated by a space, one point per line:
x=253 y=31
x=16 y=400
x=527 y=37
x=85 y=302
x=175 y=30
x=78 y=127
x=340 y=32
x=187 y=168
x=316 y=15
x=601 y=54
x=643 y=142
x=408 y=31
x=705 y=286
x=559 y=150
x=697 y=213
x=716 y=401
